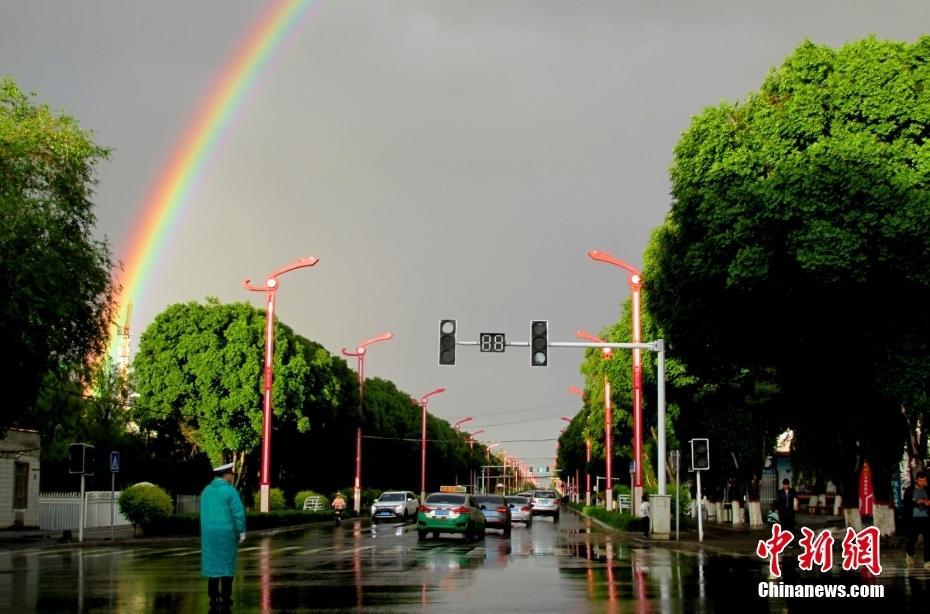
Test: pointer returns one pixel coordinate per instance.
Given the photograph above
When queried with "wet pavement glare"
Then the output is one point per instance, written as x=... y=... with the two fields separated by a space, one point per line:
x=565 y=567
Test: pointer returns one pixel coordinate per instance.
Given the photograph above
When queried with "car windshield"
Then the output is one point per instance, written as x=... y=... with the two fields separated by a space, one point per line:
x=392 y=496
x=544 y=494
x=490 y=499
x=444 y=497
x=518 y=500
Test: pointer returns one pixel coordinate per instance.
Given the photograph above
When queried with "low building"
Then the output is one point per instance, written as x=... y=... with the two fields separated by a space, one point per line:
x=19 y=479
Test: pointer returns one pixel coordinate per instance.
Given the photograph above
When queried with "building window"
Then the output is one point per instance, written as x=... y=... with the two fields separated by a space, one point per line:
x=20 y=486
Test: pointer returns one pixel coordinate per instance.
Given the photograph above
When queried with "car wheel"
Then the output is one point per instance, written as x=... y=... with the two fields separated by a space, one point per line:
x=506 y=531
x=529 y=523
x=435 y=534
x=421 y=535
x=406 y=516
x=555 y=518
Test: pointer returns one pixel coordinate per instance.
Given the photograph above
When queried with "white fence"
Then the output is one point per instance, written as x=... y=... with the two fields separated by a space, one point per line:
x=187 y=504
x=62 y=510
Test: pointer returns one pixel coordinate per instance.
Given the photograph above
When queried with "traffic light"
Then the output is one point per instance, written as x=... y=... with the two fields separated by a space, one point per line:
x=81 y=458
x=539 y=343
x=446 y=342
x=700 y=455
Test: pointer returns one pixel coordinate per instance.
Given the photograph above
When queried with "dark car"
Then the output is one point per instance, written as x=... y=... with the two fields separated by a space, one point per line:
x=496 y=512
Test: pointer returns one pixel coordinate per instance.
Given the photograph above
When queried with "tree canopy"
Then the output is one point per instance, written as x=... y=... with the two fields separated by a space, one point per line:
x=797 y=249
x=55 y=277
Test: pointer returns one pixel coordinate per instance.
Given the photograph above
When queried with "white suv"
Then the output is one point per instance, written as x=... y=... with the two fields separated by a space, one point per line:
x=394 y=504
x=546 y=503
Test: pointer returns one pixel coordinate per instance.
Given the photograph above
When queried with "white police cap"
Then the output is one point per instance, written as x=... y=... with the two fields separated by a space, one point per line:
x=228 y=467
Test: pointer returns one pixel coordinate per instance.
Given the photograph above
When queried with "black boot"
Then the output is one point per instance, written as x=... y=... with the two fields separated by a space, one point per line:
x=213 y=591
x=226 y=589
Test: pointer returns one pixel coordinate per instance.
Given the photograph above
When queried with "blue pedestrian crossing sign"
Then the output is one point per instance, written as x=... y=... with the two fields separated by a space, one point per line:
x=114 y=461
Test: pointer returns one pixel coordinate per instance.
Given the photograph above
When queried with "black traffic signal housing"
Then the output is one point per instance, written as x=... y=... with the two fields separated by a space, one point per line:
x=447 y=342
x=539 y=343
x=81 y=458
x=700 y=455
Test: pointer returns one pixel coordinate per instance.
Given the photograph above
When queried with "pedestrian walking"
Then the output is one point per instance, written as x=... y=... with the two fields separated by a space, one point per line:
x=222 y=529
x=917 y=514
x=784 y=502
x=644 y=512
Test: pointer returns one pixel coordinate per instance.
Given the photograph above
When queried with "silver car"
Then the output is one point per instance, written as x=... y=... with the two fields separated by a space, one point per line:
x=395 y=504
x=546 y=503
x=521 y=510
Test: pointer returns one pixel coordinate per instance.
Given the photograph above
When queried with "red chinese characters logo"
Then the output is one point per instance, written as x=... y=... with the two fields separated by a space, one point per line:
x=772 y=548
x=861 y=550
x=816 y=550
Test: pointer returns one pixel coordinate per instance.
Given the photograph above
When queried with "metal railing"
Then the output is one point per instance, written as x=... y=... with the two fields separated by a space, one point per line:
x=60 y=511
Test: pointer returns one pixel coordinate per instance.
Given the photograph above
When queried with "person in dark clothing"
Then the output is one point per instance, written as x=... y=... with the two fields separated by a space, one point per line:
x=784 y=503
x=916 y=501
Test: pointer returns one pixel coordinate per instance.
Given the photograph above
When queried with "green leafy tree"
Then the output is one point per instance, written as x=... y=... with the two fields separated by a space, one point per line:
x=55 y=278
x=800 y=222
x=200 y=366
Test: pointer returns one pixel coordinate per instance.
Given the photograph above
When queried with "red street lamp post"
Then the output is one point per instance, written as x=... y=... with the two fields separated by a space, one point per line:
x=608 y=421
x=461 y=422
x=360 y=354
x=270 y=289
x=635 y=281
x=424 y=400
x=587 y=444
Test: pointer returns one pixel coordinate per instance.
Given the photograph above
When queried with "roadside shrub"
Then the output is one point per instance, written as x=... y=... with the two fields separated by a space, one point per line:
x=144 y=503
x=302 y=495
x=622 y=521
x=275 y=500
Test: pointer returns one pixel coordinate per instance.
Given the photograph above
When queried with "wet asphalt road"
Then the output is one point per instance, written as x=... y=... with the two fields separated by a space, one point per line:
x=565 y=567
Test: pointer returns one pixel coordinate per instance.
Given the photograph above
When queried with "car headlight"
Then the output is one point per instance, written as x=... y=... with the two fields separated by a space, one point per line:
x=399 y=509
x=373 y=508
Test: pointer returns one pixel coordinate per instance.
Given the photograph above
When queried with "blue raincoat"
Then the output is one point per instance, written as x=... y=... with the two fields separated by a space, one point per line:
x=222 y=519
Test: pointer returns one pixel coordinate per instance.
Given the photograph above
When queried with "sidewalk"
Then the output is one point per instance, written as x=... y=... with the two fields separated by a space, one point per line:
x=742 y=541
x=19 y=539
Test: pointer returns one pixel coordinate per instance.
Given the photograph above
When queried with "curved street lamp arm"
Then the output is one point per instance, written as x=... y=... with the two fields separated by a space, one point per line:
x=576 y=390
x=425 y=398
x=460 y=422
x=346 y=352
x=248 y=286
x=583 y=334
x=610 y=259
x=566 y=418
x=299 y=263
x=381 y=337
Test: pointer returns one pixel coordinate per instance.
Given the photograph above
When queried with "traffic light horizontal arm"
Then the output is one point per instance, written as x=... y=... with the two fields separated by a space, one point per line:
x=653 y=346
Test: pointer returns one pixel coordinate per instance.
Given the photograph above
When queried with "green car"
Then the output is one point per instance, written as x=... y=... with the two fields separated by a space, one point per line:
x=446 y=512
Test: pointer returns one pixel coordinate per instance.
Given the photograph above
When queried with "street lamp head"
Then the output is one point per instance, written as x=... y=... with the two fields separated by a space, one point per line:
x=576 y=390
x=583 y=334
x=566 y=418
x=425 y=398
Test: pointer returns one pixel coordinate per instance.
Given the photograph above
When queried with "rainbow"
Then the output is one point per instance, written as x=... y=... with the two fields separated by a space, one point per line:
x=199 y=142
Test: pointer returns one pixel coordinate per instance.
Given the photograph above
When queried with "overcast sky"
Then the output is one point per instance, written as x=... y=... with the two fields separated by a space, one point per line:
x=441 y=158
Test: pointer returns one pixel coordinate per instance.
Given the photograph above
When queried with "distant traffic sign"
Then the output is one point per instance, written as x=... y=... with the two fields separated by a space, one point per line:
x=114 y=461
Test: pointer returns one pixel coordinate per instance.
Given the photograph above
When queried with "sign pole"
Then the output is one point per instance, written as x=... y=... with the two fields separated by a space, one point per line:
x=83 y=512
x=112 y=502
